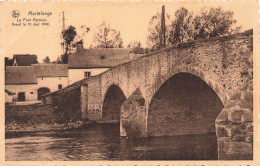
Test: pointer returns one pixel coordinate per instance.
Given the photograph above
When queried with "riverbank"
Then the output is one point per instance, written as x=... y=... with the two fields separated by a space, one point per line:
x=36 y=117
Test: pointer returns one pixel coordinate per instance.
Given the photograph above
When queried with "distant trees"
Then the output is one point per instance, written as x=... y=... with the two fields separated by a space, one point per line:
x=46 y=59
x=134 y=44
x=107 y=37
x=185 y=26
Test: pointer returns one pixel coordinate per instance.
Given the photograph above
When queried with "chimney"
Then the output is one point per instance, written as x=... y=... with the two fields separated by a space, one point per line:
x=79 y=45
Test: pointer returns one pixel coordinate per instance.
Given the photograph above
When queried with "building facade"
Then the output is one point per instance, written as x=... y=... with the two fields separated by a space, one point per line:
x=29 y=83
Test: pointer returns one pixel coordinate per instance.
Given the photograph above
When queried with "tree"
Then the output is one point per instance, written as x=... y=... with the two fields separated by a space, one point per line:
x=208 y=23
x=134 y=44
x=68 y=36
x=181 y=26
x=82 y=32
x=213 y=22
x=154 y=29
x=71 y=38
x=46 y=59
x=107 y=37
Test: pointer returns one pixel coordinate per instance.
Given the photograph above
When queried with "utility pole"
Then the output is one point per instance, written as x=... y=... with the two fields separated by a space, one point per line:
x=63 y=29
x=63 y=21
x=163 y=29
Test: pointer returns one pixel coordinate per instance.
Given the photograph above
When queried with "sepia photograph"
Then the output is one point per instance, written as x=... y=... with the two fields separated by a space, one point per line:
x=129 y=81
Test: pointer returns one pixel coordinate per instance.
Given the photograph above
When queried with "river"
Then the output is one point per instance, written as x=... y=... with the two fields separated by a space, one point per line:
x=102 y=142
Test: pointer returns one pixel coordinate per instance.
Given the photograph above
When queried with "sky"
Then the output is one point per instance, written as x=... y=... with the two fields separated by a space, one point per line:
x=130 y=18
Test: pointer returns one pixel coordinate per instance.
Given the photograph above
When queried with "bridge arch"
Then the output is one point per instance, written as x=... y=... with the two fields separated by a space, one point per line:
x=112 y=101
x=180 y=99
x=219 y=90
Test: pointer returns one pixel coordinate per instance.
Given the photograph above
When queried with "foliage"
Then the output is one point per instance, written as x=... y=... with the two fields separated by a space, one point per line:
x=71 y=37
x=213 y=22
x=46 y=59
x=181 y=26
x=68 y=35
x=107 y=37
x=134 y=44
x=185 y=26
x=83 y=30
x=154 y=30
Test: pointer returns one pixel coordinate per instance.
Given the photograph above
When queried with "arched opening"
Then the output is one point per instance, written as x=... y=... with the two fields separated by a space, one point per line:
x=186 y=106
x=42 y=91
x=114 y=98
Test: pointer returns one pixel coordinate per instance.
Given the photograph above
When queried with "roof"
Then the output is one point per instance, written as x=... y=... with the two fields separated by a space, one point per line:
x=99 y=58
x=51 y=70
x=15 y=75
x=25 y=59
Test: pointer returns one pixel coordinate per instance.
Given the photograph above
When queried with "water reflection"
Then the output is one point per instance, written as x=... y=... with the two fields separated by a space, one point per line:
x=104 y=143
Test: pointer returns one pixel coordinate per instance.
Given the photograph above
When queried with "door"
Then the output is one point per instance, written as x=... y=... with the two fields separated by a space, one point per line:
x=42 y=91
x=21 y=96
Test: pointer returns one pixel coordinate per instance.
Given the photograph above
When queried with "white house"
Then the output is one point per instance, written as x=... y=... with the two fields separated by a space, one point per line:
x=28 y=83
x=21 y=80
x=50 y=77
x=91 y=62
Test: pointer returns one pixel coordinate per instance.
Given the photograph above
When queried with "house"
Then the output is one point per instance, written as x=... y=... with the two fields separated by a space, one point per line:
x=21 y=80
x=30 y=82
x=24 y=60
x=50 y=77
x=90 y=62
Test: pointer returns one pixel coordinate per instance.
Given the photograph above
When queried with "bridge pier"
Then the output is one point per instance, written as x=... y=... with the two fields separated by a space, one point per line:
x=133 y=116
x=234 y=127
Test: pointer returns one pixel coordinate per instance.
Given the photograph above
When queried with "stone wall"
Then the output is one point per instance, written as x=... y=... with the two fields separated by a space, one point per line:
x=234 y=126
x=67 y=101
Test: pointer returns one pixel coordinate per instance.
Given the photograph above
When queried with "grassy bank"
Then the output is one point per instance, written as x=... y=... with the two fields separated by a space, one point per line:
x=30 y=118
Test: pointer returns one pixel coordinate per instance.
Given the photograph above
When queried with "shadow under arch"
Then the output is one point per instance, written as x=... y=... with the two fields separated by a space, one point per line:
x=41 y=91
x=113 y=100
x=186 y=105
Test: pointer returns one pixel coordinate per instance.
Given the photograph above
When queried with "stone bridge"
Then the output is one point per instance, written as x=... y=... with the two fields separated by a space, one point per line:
x=197 y=87
x=192 y=88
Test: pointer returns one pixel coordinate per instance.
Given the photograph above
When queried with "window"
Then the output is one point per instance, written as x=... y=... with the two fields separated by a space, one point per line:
x=31 y=92
x=21 y=96
x=86 y=74
x=60 y=86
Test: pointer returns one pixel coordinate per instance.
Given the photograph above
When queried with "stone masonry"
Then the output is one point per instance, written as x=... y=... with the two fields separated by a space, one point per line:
x=223 y=63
